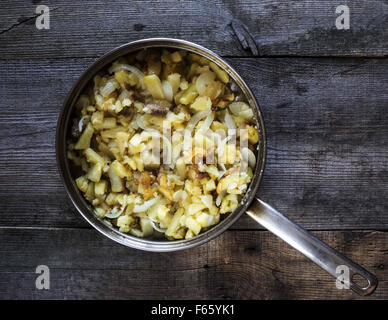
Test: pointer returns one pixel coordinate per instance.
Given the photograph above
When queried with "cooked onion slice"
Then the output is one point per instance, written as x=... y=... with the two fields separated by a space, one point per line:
x=180 y=196
x=248 y=154
x=229 y=121
x=129 y=68
x=81 y=123
x=219 y=198
x=108 y=88
x=154 y=224
x=167 y=90
x=139 y=122
x=117 y=213
x=207 y=123
x=195 y=119
x=221 y=148
x=145 y=206
x=241 y=109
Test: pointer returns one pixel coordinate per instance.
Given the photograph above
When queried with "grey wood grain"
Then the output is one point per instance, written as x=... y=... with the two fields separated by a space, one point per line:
x=327 y=132
x=237 y=265
x=304 y=28
x=327 y=136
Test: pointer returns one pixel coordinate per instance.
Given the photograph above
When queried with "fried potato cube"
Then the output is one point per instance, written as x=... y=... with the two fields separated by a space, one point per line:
x=154 y=86
x=174 y=224
x=121 y=76
x=95 y=172
x=176 y=57
x=112 y=199
x=194 y=208
x=174 y=80
x=89 y=194
x=82 y=183
x=120 y=170
x=124 y=220
x=209 y=186
x=100 y=187
x=229 y=155
x=253 y=135
x=116 y=182
x=217 y=126
x=94 y=157
x=212 y=171
x=146 y=227
x=164 y=215
x=107 y=123
x=229 y=203
x=84 y=140
x=97 y=117
x=122 y=141
x=193 y=225
x=189 y=234
x=189 y=95
x=201 y=103
x=184 y=85
x=221 y=74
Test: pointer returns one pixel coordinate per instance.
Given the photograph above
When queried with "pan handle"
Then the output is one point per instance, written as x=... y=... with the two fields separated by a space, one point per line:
x=313 y=248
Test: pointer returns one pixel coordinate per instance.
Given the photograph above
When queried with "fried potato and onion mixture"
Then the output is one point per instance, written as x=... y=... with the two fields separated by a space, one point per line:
x=165 y=143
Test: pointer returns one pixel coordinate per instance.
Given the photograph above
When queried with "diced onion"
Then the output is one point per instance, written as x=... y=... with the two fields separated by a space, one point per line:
x=81 y=123
x=219 y=198
x=207 y=200
x=167 y=90
x=207 y=123
x=241 y=109
x=248 y=154
x=223 y=171
x=201 y=167
x=145 y=206
x=179 y=196
x=221 y=148
x=108 y=88
x=139 y=122
x=237 y=106
x=210 y=221
x=229 y=121
x=232 y=186
x=196 y=118
x=247 y=114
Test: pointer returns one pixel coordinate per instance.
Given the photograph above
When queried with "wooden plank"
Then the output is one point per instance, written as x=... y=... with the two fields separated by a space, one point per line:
x=275 y=27
x=326 y=121
x=237 y=265
x=327 y=126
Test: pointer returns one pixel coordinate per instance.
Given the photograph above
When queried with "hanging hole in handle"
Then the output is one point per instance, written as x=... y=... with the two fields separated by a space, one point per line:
x=360 y=281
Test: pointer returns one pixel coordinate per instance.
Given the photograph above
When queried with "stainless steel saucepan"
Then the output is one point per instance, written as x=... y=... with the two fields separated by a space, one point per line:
x=313 y=248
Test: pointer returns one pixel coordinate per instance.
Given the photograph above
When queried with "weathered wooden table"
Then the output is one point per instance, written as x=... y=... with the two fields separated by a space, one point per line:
x=323 y=94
